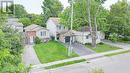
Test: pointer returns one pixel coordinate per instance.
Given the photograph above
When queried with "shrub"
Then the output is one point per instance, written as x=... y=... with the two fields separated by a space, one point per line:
x=101 y=43
x=37 y=40
x=113 y=37
x=126 y=39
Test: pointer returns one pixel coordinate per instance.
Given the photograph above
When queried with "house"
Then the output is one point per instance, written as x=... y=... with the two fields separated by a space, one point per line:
x=33 y=31
x=85 y=37
x=82 y=37
x=54 y=27
x=65 y=36
x=14 y=24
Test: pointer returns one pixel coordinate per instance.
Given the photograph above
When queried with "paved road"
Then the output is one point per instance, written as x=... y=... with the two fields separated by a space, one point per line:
x=115 y=64
x=29 y=56
x=118 y=44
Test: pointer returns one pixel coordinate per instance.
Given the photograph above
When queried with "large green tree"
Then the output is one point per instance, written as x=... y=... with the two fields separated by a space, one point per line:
x=10 y=49
x=19 y=10
x=51 y=8
x=86 y=14
x=81 y=15
x=119 y=18
x=32 y=19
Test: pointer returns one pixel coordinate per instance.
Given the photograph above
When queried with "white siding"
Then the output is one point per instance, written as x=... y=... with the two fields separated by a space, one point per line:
x=38 y=34
x=83 y=40
x=51 y=27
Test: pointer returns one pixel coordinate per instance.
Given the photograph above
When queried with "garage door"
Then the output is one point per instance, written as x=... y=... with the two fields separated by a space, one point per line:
x=67 y=39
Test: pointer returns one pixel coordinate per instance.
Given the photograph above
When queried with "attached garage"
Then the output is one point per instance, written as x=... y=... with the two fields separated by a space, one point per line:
x=67 y=39
x=65 y=36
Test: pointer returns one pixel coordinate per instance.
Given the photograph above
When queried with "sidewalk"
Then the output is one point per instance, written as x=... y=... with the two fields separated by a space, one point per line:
x=118 y=44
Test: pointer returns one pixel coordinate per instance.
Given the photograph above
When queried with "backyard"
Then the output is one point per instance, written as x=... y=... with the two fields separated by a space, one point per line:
x=52 y=51
x=102 y=48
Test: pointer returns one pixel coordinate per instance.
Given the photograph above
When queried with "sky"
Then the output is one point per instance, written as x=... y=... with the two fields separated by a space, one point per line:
x=34 y=6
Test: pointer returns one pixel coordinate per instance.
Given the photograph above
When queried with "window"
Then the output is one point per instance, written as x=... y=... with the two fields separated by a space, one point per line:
x=87 y=37
x=43 y=33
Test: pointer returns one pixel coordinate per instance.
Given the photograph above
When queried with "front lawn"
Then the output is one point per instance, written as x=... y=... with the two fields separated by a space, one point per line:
x=113 y=54
x=51 y=51
x=103 y=48
x=128 y=42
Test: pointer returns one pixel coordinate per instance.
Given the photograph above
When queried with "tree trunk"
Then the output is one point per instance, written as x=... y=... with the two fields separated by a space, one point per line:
x=90 y=25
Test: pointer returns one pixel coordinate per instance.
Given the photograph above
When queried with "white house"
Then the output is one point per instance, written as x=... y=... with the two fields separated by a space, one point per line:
x=85 y=37
x=34 y=31
x=82 y=37
x=54 y=27
x=14 y=24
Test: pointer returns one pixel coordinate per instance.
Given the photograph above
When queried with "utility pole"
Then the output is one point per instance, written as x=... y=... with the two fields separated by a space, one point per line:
x=70 y=50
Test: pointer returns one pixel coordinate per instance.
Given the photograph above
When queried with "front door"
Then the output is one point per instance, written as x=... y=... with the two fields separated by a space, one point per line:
x=31 y=39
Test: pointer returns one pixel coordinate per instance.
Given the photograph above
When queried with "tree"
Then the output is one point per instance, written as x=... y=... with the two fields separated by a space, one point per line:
x=3 y=18
x=83 y=10
x=19 y=10
x=26 y=21
x=10 y=50
x=36 y=19
x=119 y=18
x=51 y=8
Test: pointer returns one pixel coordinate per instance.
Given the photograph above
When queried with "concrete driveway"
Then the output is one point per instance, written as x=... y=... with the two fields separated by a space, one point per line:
x=79 y=49
x=82 y=49
x=29 y=56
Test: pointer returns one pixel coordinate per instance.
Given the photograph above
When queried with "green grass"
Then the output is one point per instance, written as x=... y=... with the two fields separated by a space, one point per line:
x=52 y=51
x=64 y=64
x=102 y=48
x=118 y=53
x=125 y=41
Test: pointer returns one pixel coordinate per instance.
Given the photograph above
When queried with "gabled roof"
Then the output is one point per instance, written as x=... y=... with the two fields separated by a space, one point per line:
x=34 y=27
x=85 y=29
x=14 y=22
x=74 y=33
x=55 y=20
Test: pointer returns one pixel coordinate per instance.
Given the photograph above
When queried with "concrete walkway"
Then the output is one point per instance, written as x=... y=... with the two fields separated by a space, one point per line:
x=29 y=56
x=115 y=64
x=118 y=44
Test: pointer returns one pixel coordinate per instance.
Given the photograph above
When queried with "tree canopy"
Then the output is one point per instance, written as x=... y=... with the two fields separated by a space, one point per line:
x=51 y=8
x=119 y=18
x=19 y=10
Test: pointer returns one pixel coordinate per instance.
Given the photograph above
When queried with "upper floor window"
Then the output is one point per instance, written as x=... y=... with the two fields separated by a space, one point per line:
x=59 y=27
x=43 y=33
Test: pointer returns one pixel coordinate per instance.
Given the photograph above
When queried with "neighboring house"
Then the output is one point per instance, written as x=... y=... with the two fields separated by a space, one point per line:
x=85 y=37
x=82 y=37
x=54 y=27
x=14 y=24
x=33 y=31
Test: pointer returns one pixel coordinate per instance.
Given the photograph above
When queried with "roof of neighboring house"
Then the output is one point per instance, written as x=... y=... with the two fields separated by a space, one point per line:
x=34 y=27
x=74 y=33
x=85 y=29
x=55 y=20
x=14 y=22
